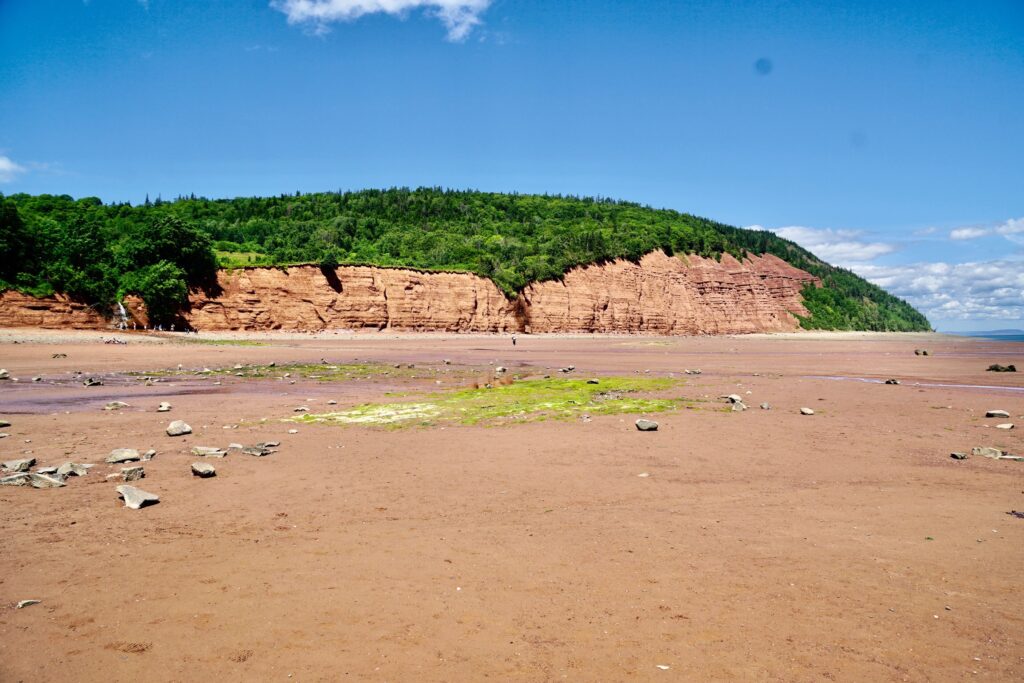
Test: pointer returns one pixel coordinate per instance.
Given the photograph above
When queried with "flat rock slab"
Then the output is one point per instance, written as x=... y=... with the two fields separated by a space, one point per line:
x=203 y=469
x=26 y=603
x=116 y=405
x=647 y=425
x=73 y=469
x=268 y=444
x=21 y=465
x=164 y=408
x=123 y=455
x=135 y=498
x=4 y=423
x=806 y=411
x=45 y=481
x=209 y=451
x=988 y=452
x=20 y=479
x=997 y=413
x=178 y=428
x=1007 y=425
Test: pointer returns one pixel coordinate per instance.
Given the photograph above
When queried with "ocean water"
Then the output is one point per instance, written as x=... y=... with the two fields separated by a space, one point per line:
x=993 y=337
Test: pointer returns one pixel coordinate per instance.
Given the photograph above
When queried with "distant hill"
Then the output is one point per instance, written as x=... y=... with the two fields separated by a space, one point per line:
x=100 y=252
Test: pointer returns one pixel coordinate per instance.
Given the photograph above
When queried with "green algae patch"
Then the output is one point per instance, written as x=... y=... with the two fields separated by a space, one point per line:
x=528 y=400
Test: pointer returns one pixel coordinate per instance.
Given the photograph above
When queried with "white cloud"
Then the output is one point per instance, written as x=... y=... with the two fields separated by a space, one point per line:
x=982 y=290
x=9 y=170
x=458 y=16
x=1009 y=229
x=838 y=247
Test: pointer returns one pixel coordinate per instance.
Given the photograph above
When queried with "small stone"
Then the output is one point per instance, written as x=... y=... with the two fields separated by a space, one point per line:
x=593 y=381
x=149 y=455
x=92 y=382
x=4 y=374
x=133 y=473
x=37 y=379
x=892 y=381
x=119 y=455
x=647 y=425
x=293 y=431
x=26 y=603
x=257 y=451
x=995 y=367
x=115 y=405
x=766 y=406
x=733 y=398
x=332 y=402
x=4 y=435
x=500 y=370
x=988 y=452
x=164 y=407
x=997 y=413
x=4 y=423
x=739 y=407
x=644 y=475
x=46 y=470
x=208 y=452
x=22 y=465
x=204 y=470
x=235 y=446
x=956 y=455
x=806 y=411
x=301 y=409
x=178 y=428
x=72 y=469
x=135 y=498
x=692 y=372
x=1005 y=425
x=268 y=444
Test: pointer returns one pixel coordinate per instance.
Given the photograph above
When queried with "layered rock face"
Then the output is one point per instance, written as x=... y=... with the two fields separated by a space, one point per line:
x=304 y=298
x=671 y=295
x=58 y=311
x=658 y=295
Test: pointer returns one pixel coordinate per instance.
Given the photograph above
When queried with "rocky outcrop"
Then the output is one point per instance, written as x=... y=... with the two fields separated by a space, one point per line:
x=352 y=297
x=57 y=311
x=671 y=295
x=659 y=295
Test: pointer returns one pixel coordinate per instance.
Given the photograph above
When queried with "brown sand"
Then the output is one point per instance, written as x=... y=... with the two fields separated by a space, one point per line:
x=764 y=545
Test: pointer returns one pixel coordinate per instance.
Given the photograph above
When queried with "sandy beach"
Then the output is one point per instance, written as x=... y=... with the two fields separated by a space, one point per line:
x=755 y=545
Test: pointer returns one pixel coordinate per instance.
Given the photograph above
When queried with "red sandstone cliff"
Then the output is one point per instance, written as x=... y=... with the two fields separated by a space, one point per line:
x=660 y=295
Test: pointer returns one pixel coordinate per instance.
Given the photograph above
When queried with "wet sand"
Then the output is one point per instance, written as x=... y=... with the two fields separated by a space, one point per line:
x=763 y=545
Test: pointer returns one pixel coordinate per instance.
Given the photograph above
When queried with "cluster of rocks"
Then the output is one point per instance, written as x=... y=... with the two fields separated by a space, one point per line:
x=995 y=367
x=19 y=474
x=920 y=352
x=991 y=451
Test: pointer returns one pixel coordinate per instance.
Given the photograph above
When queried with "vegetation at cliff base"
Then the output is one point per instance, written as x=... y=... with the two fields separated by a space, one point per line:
x=99 y=252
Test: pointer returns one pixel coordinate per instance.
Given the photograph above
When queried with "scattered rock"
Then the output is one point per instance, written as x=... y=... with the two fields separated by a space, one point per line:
x=500 y=370
x=204 y=470
x=45 y=481
x=733 y=398
x=958 y=456
x=26 y=603
x=72 y=469
x=135 y=498
x=116 y=405
x=593 y=381
x=647 y=425
x=995 y=367
x=766 y=406
x=920 y=352
x=738 y=406
x=178 y=428
x=20 y=479
x=988 y=452
x=4 y=374
x=301 y=409
x=149 y=455
x=208 y=452
x=22 y=465
x=92 y=382
x=46 y=470
x=806 y=411
x=997 y=413
x=119 y=455
x=164 y=407
x=59 y=355
x=4 y=423
x=4 y=435
x=257 y=451
x=692 y=372
x=644 y=475
x=268 y=444
x=293 y=431
x=332 y=402
x=235 y=446
x=37 y=379
x=133 y=473
x=1005 y=425
x=892 y=381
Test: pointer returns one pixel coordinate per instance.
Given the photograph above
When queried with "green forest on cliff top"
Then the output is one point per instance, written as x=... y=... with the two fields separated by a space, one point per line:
x=100 y=252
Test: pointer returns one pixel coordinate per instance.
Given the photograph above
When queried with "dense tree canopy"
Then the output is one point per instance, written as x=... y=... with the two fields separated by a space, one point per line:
x=98 y=251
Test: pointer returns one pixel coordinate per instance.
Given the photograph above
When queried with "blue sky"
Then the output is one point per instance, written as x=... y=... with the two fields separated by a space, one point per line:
x=886 y=136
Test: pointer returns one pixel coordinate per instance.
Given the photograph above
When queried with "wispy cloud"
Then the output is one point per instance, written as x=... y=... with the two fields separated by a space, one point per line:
x=1009 y=229
x=982 y=290
x=458 y=16
x=9 y=170
x=839 y=247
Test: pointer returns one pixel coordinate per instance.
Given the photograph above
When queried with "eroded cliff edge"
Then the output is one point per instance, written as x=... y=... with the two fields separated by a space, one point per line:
x=659 y=295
